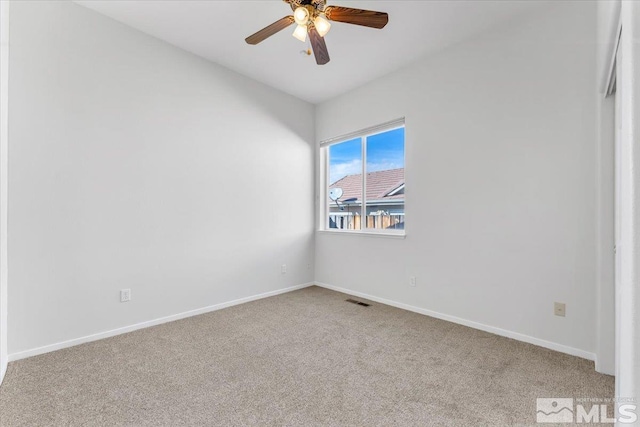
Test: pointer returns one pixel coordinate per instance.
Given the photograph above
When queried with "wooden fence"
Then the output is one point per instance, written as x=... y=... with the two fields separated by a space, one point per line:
x=346 y=221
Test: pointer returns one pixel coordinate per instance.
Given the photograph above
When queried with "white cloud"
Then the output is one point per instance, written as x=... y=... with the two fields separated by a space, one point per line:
x=340 y=170
x=353 y=167
x=375 y=167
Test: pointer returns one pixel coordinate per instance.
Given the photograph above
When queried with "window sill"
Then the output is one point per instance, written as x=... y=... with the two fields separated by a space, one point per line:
x=386 y=235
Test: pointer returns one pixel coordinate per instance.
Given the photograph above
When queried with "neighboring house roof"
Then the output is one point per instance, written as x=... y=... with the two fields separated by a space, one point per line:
x=381 y=185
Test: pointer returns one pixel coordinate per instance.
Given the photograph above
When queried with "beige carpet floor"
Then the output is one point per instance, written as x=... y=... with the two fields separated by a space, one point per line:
x=306 y=358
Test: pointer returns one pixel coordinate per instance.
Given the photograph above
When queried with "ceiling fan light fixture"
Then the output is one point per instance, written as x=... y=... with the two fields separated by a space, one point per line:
x=312 y=18
x=301 y=15
x=301 y=33
x=322 y=25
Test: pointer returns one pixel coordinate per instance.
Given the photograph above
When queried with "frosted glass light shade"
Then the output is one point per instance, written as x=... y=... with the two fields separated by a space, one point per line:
x=322 y=25
x=301 y=33
x=301 y=16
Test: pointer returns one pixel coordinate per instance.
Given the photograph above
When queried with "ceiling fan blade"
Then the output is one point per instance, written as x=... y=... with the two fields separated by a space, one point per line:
x=270 y=30
x=319 y=46
x=366 y=18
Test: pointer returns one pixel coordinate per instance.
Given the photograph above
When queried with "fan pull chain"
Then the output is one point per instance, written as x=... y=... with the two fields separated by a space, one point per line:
x=307 y=51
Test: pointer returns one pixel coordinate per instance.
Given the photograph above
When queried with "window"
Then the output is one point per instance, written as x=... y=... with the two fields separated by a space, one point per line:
x=365 y=183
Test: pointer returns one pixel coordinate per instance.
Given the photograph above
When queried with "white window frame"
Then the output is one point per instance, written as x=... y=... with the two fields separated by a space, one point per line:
x=363 y=135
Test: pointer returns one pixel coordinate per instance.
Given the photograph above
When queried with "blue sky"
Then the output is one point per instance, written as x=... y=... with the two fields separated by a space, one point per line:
x=384 y=151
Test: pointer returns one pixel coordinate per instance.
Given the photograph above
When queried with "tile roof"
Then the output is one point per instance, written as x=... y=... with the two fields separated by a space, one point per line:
x=379 y=185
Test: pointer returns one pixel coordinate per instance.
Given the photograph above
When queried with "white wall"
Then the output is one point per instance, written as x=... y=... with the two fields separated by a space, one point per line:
x=137 y=165
x=4 y=100
x=501 y=182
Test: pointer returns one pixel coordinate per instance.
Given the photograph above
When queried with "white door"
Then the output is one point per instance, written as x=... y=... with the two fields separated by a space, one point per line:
x=617 y=184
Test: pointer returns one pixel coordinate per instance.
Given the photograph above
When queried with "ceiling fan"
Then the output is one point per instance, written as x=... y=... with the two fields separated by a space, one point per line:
x=312 y=17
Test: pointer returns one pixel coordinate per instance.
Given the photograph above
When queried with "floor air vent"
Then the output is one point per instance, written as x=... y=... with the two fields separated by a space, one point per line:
x=352 y=301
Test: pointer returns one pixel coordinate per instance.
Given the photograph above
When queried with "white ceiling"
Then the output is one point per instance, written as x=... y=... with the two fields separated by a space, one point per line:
x=216 y=30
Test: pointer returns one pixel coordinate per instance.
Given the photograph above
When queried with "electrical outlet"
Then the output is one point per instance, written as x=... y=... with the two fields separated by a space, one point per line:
x=309 y=266
x=283 y=269
x=125 y=295
x=412 y=281
x=559 y=309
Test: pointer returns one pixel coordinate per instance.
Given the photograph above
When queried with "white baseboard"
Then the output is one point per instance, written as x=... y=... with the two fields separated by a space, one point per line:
x=491 y=329
x=142 y=325
x=3 y=370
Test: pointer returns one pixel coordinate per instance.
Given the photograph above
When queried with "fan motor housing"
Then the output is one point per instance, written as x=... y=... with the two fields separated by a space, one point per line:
x=311 y=5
